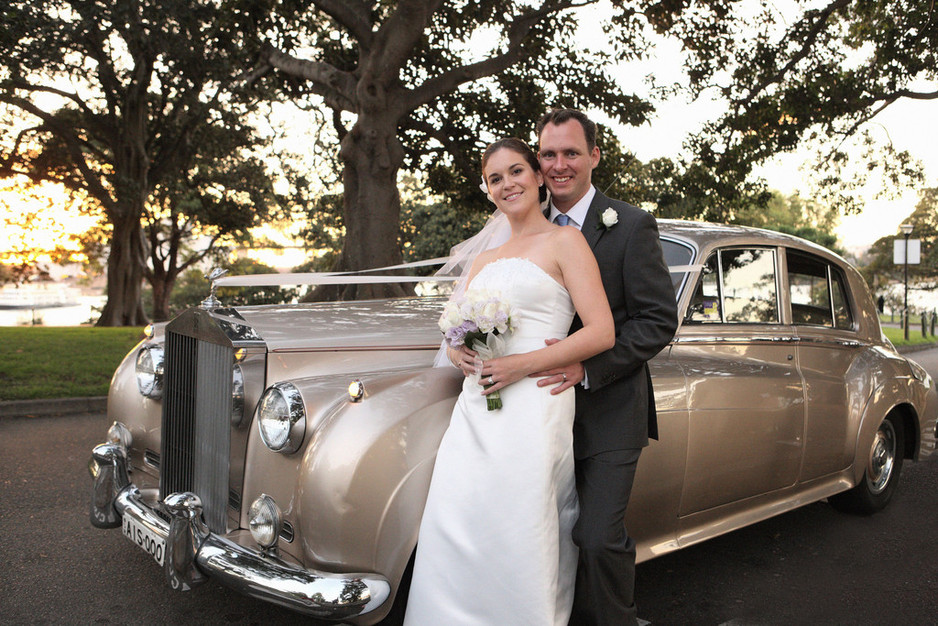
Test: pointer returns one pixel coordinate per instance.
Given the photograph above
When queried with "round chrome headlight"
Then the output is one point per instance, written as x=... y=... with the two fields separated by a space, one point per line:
x=281 y=418
x=265 y=521
x=149 y=370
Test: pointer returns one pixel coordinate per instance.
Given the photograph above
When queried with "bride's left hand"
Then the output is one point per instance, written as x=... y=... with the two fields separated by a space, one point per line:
x=501 y=372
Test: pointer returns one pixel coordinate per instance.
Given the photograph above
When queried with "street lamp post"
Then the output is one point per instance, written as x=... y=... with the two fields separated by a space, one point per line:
x=906 y=231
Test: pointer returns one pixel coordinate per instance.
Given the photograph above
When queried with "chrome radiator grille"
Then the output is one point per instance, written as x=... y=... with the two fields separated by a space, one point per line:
x=196 y=427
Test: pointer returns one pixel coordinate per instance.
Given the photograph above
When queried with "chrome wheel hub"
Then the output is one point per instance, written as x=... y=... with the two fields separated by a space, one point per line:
x=882 y=458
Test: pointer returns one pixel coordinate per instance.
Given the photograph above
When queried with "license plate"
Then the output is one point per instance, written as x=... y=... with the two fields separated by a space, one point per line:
x=150 y=542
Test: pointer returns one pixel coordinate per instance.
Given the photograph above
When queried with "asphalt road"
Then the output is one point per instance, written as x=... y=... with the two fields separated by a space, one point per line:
x=810 y=566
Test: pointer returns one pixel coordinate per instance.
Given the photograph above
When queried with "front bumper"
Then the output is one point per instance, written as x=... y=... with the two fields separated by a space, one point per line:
x=193 y=553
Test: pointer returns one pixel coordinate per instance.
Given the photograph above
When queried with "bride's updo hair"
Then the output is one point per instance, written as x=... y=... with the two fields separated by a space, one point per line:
x=516 y=145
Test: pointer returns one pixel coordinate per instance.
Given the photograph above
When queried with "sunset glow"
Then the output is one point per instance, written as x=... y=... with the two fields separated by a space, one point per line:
x=37 y=223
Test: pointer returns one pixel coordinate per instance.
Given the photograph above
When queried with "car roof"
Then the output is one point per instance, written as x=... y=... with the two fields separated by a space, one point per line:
x=707 y=234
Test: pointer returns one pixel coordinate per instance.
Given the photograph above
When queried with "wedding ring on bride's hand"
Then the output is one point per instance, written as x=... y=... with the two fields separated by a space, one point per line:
x=491 y=380
x=564 y=374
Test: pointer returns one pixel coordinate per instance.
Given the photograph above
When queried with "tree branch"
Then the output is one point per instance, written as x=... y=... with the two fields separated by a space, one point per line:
x=93 y=42
x=353 y=15
x=886 y=100
x=72 y=143
x=335 y=86
x=517 y=31
x=823 y=16
x=16 y=84
x=340 y=130
x=913 y=95
x=397 y=36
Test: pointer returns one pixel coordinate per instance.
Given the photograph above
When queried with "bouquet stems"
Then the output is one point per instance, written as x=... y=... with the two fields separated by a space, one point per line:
x=493 y=401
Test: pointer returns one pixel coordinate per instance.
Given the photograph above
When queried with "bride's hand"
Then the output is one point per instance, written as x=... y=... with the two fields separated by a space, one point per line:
x=501 y=372
x=465 y=359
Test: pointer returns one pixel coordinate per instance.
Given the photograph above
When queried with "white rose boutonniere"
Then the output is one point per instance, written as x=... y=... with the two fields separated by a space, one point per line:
x=608 y=219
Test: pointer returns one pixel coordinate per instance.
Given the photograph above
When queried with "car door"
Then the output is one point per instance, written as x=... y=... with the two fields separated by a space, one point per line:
x=745 y=394
x=827 y=349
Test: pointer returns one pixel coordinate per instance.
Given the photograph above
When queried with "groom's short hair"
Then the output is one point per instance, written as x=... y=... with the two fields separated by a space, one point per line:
x=561 y=116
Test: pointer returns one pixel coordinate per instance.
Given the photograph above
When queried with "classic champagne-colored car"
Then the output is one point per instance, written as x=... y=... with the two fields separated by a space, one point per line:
x=286 y=451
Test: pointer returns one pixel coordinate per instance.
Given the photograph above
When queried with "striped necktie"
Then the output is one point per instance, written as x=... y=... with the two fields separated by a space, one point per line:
x=562 y=219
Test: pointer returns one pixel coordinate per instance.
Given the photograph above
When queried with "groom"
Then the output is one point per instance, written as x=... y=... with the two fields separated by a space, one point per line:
x=615 y=405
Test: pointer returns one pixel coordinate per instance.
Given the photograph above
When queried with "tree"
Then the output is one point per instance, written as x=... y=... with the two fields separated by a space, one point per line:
x=118 y=92
x=225 y=192
x=819 y=80
x=424 y=85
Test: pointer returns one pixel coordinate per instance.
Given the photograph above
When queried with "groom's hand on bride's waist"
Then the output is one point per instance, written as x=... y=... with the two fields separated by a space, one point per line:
x=562 y=377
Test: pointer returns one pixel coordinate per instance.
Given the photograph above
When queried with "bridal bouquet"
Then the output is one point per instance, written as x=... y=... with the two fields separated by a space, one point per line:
x=479 y=320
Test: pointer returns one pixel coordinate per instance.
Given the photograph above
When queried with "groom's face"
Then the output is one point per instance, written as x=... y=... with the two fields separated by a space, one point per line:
x=566 y=162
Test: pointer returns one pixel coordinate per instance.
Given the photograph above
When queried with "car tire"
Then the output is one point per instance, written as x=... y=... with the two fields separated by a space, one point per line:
x=883 y=463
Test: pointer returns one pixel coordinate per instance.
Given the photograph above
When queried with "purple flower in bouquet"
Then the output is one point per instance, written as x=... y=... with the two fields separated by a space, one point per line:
x=478 y=320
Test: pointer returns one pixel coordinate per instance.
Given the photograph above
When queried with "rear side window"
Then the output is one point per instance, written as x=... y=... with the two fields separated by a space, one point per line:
x=842 y=314
x=809 y=290
x=737 y=285
x=818 y=292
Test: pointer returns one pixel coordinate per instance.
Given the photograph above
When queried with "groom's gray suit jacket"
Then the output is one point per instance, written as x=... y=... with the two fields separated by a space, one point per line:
x=618 y=410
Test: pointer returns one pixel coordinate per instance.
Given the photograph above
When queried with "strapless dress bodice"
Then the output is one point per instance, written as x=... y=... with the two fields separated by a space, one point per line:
x=541 y=306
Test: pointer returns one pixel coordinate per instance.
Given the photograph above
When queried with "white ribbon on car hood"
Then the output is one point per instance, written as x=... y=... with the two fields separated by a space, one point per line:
x=356 y=278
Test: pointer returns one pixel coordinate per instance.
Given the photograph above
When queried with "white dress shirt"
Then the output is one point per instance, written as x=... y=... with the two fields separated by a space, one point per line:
x=577 y=212
x=577 y=215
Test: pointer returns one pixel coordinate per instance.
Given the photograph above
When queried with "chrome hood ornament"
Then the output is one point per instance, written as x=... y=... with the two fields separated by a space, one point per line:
x=212 y=302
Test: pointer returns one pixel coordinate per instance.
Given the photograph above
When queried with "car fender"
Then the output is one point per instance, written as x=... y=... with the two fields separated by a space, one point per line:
x=366 y=469
x=356 y=487
x=895 y=394
x=141 y=415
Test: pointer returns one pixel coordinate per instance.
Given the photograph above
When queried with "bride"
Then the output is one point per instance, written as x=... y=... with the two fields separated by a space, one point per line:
x=495 y=542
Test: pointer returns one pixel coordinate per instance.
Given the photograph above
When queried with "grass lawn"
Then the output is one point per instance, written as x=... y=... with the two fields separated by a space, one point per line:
x=38 y=362
x=897 y=337
x=61 y=362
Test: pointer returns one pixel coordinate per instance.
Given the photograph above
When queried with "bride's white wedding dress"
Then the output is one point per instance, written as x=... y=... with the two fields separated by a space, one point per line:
x=495 y=543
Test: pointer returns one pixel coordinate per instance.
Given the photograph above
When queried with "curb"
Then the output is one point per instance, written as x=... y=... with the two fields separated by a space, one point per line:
x=916 y=348
x=56 y=406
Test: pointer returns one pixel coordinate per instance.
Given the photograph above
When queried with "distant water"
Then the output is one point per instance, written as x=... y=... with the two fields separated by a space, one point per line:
x=85 y=310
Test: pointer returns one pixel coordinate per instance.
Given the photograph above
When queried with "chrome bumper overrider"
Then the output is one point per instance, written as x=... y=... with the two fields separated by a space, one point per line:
x=193 y=553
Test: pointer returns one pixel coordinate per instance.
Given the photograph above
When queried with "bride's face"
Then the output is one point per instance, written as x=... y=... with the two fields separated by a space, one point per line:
x=512 y=182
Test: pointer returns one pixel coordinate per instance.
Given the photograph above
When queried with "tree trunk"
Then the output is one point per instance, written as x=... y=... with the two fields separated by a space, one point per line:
x=371 y=155
x=125 y=275
x=162 y=288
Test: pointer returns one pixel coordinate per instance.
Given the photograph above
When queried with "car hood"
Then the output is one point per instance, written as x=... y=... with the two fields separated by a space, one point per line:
x=410 y=322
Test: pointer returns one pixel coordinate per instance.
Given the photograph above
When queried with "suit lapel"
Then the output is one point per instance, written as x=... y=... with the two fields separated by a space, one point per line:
x=590 y=228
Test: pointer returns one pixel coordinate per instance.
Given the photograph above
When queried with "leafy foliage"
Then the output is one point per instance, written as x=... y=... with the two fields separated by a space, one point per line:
x=120 y=95
x=817 y=81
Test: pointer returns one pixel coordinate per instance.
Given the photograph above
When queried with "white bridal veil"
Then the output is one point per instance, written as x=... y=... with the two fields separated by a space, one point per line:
x=496 y=231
